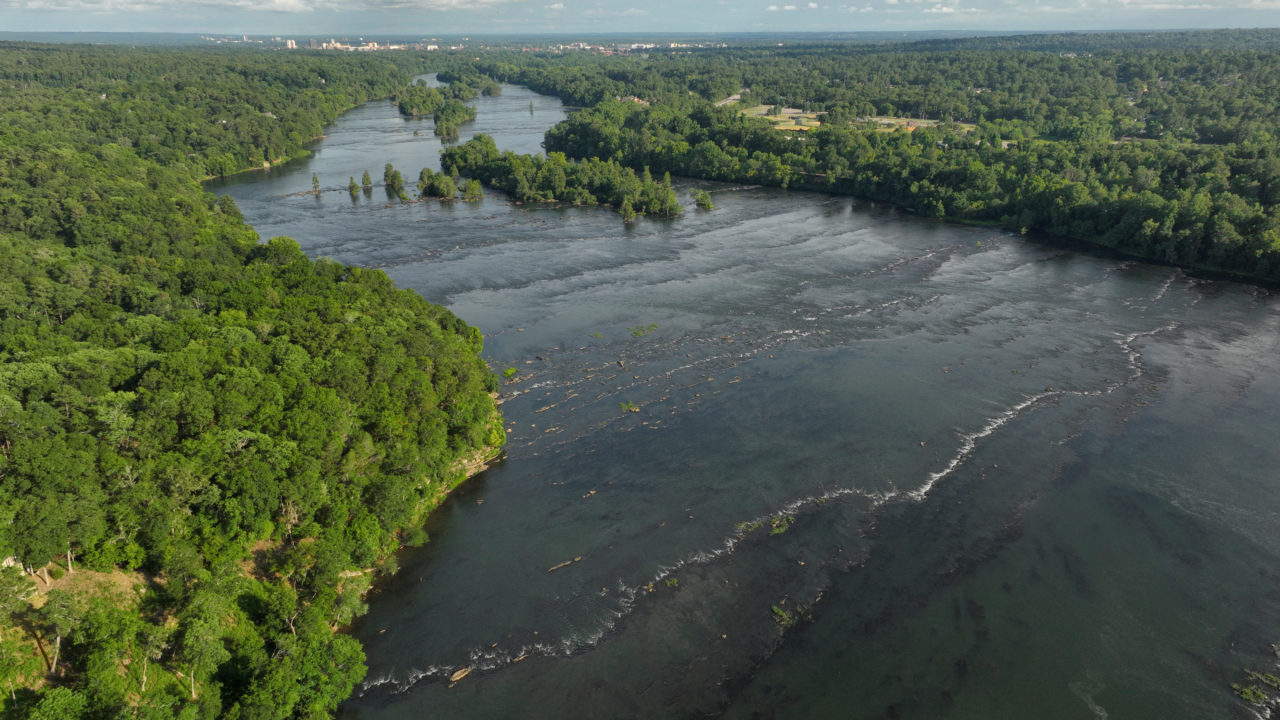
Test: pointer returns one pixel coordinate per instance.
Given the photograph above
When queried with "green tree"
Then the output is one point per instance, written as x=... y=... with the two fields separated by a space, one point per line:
x=19 y=663
x=703 y=199
x=60 y=703
x=152 y=642
x=199 y=646
x=61 y=614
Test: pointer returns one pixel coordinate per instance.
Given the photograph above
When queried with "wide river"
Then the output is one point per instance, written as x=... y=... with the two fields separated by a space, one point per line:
x=802 y=457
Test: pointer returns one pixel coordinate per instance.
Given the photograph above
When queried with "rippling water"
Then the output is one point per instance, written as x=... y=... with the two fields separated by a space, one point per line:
x=877 y=466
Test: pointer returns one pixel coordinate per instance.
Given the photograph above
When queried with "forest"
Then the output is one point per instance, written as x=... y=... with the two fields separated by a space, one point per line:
x=206 y=441
x=1158 y=145
x=554 y=178
x=446 y=106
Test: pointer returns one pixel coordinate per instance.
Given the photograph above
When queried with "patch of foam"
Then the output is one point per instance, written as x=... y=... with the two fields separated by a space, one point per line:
x=624 y=597
x=969 y=441
x=1085 y=690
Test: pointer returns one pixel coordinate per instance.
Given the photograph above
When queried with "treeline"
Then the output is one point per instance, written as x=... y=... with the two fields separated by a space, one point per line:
x=469 y=85
x=444 y=186
x=1208 y=87
x=555 y=178
x=204 y=440
x=1160 y=148
x=1197 y=205
x=431 y=184
x=214 y=112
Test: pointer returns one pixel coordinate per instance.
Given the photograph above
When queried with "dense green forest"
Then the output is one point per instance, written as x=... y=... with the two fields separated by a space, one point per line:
x=554 y=178
x=205 y=440
x=446 y=105
x=1158 y=145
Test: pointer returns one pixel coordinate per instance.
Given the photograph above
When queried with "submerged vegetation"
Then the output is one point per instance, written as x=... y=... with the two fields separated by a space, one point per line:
x=786 y=617
x=1260 y=689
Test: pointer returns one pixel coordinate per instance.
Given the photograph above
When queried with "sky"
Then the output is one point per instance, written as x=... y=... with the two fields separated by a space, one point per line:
x=428 y=18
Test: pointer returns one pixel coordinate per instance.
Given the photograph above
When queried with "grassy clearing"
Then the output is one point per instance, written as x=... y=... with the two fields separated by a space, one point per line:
x=795 y=120
x=119 y=585
x=889 y=123
x=788 y=119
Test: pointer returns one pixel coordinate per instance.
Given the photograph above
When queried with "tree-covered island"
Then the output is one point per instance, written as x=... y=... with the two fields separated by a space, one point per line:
x=446 y=105
x=555 y=178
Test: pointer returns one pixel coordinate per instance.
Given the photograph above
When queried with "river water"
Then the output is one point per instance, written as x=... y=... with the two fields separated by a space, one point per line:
x=810 y=458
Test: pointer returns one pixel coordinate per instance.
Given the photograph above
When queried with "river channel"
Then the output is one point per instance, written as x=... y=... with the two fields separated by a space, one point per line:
x=804 y=457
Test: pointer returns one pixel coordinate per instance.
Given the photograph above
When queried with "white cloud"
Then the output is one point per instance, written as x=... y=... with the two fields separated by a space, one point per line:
x=1139 y=6
x=552 y=14
x=285 y=6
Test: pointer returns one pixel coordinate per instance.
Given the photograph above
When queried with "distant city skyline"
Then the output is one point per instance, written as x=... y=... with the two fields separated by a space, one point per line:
x=452 y=17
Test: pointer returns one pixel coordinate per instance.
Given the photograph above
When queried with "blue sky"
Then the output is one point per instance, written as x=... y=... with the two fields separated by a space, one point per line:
x=440 y=17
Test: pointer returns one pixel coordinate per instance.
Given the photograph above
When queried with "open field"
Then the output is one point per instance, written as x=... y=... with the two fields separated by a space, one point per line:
x=791 y=119
x=888 y=123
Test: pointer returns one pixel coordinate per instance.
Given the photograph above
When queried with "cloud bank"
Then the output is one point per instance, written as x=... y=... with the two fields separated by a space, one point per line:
x=287 y=6
x=564 y=16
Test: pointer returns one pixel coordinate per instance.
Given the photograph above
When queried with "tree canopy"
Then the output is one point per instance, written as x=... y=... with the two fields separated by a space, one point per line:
x=240 y=428
x=555 y=178
x=1161 y=145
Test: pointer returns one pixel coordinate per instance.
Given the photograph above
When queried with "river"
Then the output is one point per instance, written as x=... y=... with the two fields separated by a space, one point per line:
x=809 y=458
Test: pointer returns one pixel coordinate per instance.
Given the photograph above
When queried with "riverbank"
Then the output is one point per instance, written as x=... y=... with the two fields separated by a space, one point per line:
x=1074 y=242
x=805 y=346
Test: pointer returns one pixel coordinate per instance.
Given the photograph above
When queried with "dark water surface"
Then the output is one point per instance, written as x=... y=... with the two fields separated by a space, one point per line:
x=880 y=466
